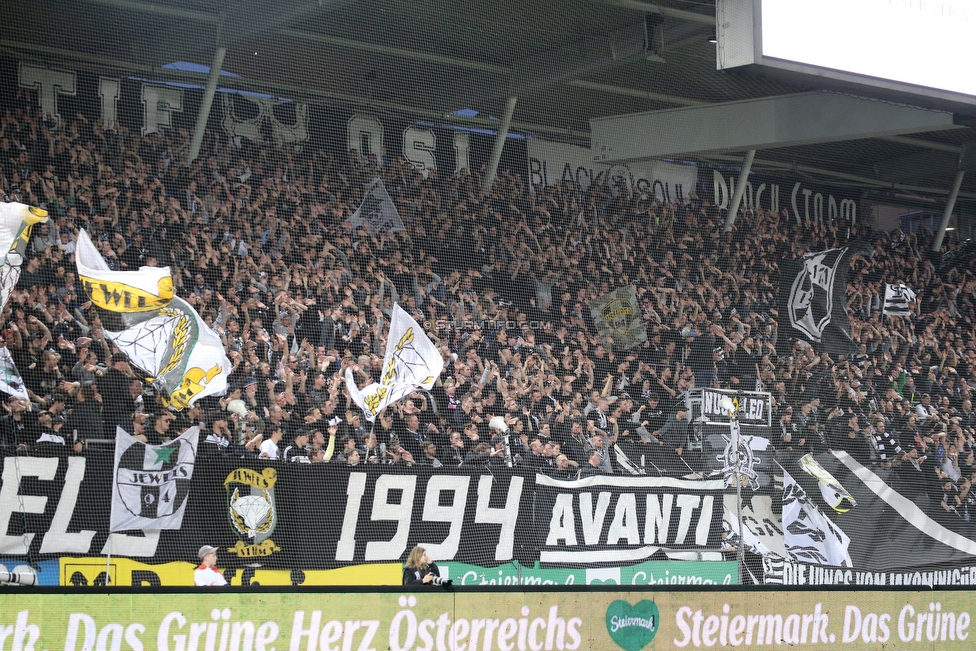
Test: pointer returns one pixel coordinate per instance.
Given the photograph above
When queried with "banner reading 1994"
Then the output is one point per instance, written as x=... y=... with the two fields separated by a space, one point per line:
x=472 y=621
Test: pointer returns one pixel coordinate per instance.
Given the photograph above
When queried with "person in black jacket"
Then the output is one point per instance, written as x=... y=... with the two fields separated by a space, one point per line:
x=118 y=405
x=420 y=570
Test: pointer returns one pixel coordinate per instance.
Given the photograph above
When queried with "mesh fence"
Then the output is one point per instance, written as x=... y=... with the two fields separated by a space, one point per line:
x=589 y=379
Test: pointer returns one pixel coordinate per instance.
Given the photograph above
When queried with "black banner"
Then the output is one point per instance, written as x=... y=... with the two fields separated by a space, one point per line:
x=804 y=202
x=609 y=519
x=275 y=515
x=752 y=407
x=282 y=516
x=778 y=572
x=158 y=102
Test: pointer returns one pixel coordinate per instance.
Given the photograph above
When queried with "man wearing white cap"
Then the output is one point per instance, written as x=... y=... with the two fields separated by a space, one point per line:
x=208 y=574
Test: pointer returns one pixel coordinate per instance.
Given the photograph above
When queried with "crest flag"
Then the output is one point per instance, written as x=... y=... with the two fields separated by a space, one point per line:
x=617 y=316
x=151 y=483
x=252 y=511
x=813 y=302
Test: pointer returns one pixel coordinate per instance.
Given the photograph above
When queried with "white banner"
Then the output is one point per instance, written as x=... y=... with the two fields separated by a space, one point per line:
x=551 y=163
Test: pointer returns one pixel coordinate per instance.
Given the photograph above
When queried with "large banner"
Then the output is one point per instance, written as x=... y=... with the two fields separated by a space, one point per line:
x=551 y=163
x=484 y=621
x=291 y=518
x=262 y=514
x=152 y=105
x=802 y=201
x=792 y=573
x=600 y=519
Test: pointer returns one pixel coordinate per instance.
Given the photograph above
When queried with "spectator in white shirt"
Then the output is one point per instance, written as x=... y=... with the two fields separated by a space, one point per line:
x=208 y=574
x=925 y=409
x=269 y=447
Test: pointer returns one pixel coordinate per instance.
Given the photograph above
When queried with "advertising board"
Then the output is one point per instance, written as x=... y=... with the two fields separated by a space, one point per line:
x=466 y=621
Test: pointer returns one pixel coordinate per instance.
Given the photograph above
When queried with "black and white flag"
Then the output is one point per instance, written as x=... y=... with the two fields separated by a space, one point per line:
x=896 y=300
x=10 y=380
x=377 y=213
x=809 y=535
x=813 y=301
x=151 y=483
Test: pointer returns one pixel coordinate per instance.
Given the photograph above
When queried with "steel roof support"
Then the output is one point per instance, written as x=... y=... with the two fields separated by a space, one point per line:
x=208 y=94
x=739 y=188
x=499 y=144
x=950 y=204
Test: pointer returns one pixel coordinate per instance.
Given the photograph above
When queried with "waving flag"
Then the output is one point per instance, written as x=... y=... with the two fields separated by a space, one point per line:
x=180 y=354
x=161 y=333
x=897 y=299
x=10 y=380
x=16 y=222
x=830 y=489
x=618 y=315
x=377 y=213
x=808 y=534
x=813 y=301
x=411 y=362
x=151 y=483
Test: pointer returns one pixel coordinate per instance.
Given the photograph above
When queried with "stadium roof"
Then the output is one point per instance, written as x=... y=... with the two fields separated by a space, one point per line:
x=566 y=62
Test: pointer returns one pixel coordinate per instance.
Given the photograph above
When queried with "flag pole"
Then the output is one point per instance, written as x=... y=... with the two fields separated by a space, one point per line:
x=108 y=559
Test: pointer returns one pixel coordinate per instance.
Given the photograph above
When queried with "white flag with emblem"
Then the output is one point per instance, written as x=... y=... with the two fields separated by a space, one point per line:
x=16 y=222
x=161 y=333
x=411 y=362
x=182 y=355
x=151 y=483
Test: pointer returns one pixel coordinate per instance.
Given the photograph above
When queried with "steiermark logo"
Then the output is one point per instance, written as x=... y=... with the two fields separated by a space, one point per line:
x=633 y=627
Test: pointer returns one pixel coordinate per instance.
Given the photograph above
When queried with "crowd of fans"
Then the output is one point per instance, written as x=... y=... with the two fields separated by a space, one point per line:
x=258 y=243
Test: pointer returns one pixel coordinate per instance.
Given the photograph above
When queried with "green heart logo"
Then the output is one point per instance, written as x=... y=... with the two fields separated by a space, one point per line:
x=633 y=627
